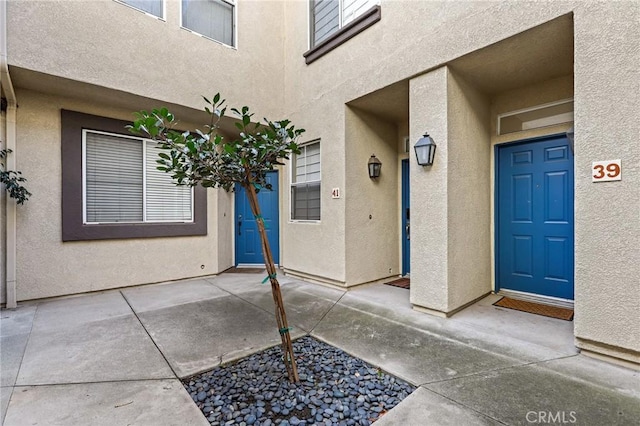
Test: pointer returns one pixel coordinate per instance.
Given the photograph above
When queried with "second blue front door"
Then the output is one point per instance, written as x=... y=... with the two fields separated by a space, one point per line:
x=406 y=243
x=534 y=212
x=248 y=243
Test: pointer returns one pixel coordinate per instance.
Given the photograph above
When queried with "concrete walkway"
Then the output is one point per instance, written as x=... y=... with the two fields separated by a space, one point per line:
x=114 y=358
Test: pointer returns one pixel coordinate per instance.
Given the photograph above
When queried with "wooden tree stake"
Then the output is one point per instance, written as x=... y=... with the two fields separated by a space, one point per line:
x=281 y=316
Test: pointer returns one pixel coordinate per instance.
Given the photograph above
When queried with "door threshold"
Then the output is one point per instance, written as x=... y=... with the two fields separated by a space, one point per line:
x=537 y=298
x=253 y=265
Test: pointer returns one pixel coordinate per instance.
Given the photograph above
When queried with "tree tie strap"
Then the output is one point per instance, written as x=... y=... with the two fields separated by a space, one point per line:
x=268 y=277
x=261 y=218
x=256 y=185
x=285 y=330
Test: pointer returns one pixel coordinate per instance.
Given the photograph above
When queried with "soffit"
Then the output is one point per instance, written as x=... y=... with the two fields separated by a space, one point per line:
x=103 y=96
x=533 y=56
x=390 y=103
x=539 y=54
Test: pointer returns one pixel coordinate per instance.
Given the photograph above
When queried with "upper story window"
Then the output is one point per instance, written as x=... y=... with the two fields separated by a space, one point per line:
x=334 y=22
x=152 y=7
x=305 y=183
x=214 y=19
x=122 y=182
x=329 y=16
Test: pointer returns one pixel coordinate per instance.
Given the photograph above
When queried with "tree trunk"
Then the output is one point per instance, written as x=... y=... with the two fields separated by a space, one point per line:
x=281 y=316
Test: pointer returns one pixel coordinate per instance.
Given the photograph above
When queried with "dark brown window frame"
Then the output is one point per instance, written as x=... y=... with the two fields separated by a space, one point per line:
x=73 y=228
x=344 y=34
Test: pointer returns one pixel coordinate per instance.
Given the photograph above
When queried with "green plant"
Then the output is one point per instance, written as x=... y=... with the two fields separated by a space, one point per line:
x=13 y=181
x=205 y=157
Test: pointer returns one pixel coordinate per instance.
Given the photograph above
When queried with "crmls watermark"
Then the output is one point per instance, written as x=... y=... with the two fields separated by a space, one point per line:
x=550 y=417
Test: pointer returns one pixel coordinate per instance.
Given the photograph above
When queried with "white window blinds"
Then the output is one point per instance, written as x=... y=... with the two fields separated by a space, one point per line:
x=165 y=201
x=123 y=184
x=113 y=179
x=305 y=185
x=351 y=9
x=153 y=7
x=326 y=19
x=210 y=18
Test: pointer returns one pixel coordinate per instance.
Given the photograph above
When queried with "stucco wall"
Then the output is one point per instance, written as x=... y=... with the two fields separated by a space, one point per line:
x=317 y=248
x=412 y=38
x=468 y=195
x=46 y=265
x=372 y=211
x=450 y=239
x=607 y=87
x=429 y=186
x=109 y=44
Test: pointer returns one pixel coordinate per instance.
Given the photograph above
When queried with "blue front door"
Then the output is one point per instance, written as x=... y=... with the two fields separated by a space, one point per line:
x=405 y=219
x=534 y=217
x=248 y=244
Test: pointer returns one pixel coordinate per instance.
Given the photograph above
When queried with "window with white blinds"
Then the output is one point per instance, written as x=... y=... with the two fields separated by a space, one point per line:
x=305 y=183
x=211 y=18
x=123 y=185
x=328 y=16
x=152 y=7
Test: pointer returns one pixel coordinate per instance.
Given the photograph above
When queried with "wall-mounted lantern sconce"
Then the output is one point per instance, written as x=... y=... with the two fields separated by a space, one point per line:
x=571 y=136
x=425 y=150
x=374 y=166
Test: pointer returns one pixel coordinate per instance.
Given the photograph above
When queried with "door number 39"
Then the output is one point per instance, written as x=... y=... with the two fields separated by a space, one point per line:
x=605 y=171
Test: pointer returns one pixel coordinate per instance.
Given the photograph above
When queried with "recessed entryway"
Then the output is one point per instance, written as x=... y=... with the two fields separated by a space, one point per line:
x=534 y=217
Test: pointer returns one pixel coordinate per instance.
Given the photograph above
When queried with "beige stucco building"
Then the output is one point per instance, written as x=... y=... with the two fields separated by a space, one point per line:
x=496 y=84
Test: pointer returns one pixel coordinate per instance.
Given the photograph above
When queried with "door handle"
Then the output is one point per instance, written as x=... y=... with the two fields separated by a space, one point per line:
x=240 y=224
x=407 y=228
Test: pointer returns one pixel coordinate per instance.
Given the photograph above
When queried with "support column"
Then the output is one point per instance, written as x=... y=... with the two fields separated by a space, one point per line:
x=450 y=201
x=429 y=242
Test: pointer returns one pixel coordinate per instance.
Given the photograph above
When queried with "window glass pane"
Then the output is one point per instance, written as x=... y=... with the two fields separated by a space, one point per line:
x=326 y=19
x=305 y=186
x=113 y=178
x=536 y=117
x=211 y=18
x=165 y=200
x=305 y=201
x=354 y=8
x=154 y=7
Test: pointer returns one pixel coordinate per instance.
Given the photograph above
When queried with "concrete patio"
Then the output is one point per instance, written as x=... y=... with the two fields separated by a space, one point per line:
x=115 y=357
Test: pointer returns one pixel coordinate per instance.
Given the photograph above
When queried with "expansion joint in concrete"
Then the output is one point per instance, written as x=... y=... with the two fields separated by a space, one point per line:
x=491 y=370
x=151 y=338
x=453 y=401
x=327 y=313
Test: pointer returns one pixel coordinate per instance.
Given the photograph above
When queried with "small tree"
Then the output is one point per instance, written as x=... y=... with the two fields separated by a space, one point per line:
x=13 y=181
x=205 y=158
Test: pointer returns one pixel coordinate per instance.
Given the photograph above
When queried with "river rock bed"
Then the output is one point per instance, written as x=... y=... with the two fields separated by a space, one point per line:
x=335 y=389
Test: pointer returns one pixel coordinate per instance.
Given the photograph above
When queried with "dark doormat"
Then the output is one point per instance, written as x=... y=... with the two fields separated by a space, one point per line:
x=401 y=282
x=234 y=270
x=536 y=308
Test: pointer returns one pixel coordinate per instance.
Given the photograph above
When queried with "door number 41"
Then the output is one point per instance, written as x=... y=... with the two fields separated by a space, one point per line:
x=605 y=171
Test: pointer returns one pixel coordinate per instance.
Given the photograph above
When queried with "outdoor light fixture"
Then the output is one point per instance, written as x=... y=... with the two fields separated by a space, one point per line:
x=571 y=136
x=374 y=166
x=425 y=150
